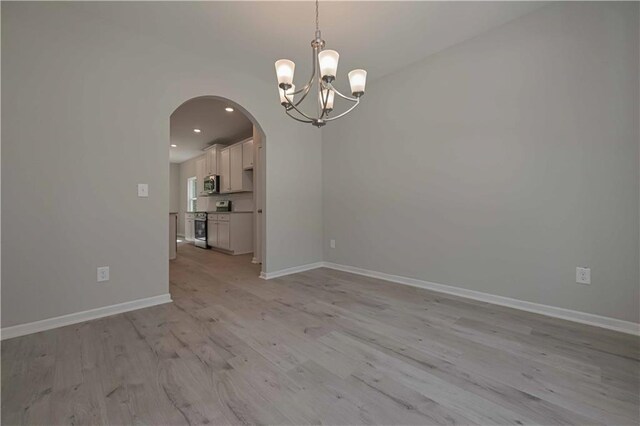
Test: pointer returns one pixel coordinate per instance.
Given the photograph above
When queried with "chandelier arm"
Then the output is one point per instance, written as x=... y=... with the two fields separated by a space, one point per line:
x=307 y=87
x=298 y=119
x=306 y=90
x=344 y=113
x=330 y=86
x=291 y=104
x=324 y=99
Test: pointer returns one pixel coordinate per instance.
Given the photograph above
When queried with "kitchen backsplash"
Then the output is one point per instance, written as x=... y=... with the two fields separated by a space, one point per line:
x=239 y=202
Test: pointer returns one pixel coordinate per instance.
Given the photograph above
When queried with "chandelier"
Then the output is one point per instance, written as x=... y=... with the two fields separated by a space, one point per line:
x=325 y=66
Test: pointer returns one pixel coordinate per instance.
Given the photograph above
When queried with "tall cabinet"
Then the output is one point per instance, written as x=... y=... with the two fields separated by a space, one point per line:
x=234 y=176
x=247 y=155
x=201 y=173
x=223 y=168
x=211 y=160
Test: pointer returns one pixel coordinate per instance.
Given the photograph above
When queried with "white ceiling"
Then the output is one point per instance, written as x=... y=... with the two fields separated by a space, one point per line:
x=216 y=125
x=381 y=37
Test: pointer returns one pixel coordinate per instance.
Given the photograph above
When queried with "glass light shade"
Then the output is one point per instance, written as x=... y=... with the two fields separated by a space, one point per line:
x=323 y=95
x=358 y=81
x=284 y=71
x=283 y=100
x=328 y=60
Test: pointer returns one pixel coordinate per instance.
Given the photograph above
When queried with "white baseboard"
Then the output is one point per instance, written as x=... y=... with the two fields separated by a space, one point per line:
x=551 y=311
x=289 y=271
x=105 y=311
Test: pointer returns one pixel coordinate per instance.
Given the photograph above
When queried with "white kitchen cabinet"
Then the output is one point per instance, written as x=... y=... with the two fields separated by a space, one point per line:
x=231 y=232
x=211 y=163
x=247 y=155
x=235 y=167
x=224 y=235
x=188 y=227
x=212 y=232
x=233 y=178
x=201 y=173
x=225 y=177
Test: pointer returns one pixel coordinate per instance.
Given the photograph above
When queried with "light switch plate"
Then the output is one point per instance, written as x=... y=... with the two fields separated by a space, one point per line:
x=583 y=275
x=143 y=190
x=332 y=243
x=103 y=274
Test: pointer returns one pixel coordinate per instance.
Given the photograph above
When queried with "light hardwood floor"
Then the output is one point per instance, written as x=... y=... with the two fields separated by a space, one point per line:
x=320 y=347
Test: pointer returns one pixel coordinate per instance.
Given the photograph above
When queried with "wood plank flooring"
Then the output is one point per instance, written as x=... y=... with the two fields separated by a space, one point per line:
x=319 y=347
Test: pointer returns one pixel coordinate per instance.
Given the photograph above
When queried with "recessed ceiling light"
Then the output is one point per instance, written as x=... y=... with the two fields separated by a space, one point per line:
x=197 y=130
x=228 y=109
x=174 y=145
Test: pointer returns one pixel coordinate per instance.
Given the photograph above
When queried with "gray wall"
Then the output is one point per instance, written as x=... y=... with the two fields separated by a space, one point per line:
x=174 y=187
x=501 y=164
x=85 y=114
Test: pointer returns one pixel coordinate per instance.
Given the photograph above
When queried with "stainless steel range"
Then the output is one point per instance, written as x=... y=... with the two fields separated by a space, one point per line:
x=200 y=229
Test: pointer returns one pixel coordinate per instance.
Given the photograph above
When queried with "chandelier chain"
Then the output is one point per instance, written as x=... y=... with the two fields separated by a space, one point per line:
x=317 y=19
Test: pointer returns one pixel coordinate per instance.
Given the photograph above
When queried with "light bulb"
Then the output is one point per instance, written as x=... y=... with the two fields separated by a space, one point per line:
x=283 y=100
x=323 y=97
x=284 y=71
x=328 y=60
x=357 y=81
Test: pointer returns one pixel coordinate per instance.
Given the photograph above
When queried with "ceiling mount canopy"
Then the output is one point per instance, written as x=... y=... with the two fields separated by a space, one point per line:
x=324 y=71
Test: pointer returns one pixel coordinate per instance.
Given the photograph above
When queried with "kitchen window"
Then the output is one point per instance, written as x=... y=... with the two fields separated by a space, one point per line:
x=192 y=197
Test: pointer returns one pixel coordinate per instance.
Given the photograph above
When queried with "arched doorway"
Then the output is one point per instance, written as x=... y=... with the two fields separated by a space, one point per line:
x=204 y=130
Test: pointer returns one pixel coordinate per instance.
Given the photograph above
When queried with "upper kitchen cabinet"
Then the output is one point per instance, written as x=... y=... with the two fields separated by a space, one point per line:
x=235 y=155
x=247 y=155
x=233 y=176
x=211 y=163
x=223 y=169
x=201 y=173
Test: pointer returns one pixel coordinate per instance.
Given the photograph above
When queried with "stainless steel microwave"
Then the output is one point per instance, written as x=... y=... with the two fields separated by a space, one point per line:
x=212 y=184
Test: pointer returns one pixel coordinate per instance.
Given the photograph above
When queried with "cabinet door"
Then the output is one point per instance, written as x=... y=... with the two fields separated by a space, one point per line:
x=224 y=239
x=247 y=155
x=200 y=174
x=225 y=178
x=212 y=233
x=236 y=167
x=212 y=162
x=188 y=230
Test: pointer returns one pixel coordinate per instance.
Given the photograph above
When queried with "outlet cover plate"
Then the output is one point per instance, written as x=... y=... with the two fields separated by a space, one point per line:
x=103 y=274
x=143 y=190
x=583 y=275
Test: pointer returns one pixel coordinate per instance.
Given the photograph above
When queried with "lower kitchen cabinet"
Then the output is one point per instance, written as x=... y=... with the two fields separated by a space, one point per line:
x=188 y=227
x=224 y=235
x=212 y=232
x=231 y=232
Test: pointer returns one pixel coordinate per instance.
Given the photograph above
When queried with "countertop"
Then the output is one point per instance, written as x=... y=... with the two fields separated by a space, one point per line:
x=214 y=212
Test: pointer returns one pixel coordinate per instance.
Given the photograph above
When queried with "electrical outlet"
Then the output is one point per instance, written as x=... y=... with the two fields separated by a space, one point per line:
x=332 y=243
x=143 y=190
x=103 y=274
x=583 y=275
